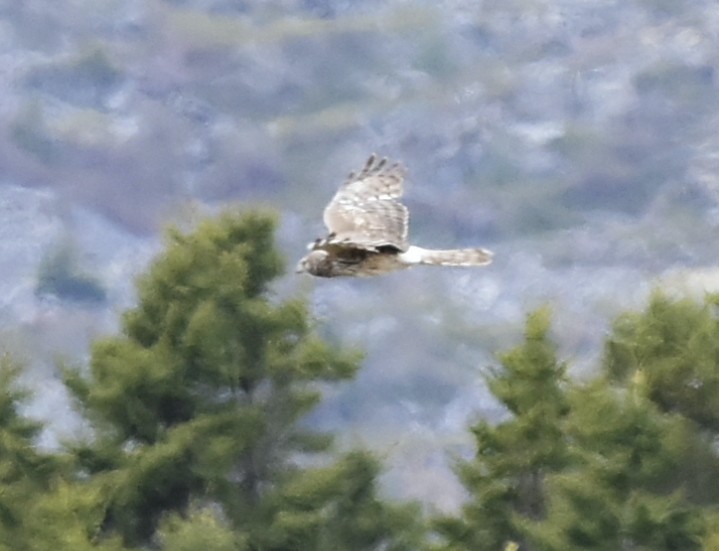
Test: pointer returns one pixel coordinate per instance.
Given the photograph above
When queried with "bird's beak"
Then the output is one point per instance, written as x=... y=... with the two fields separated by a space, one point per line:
x=299 y=269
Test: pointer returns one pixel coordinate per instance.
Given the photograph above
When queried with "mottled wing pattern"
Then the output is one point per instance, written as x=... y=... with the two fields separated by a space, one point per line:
x=365 y=212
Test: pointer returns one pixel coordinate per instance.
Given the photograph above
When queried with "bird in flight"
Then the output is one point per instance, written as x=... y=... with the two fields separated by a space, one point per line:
x=368 y=226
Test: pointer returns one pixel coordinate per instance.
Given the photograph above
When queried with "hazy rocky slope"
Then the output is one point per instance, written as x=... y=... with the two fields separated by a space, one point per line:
x=577 y=140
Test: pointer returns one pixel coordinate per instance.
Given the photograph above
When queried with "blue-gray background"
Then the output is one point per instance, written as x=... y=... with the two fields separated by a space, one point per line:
x=576 y=138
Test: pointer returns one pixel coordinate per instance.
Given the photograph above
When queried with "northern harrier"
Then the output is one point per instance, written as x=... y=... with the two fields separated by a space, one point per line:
x=368 y=230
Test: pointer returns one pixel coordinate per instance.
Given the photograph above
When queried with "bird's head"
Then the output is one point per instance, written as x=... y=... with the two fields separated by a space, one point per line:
x=314 y=263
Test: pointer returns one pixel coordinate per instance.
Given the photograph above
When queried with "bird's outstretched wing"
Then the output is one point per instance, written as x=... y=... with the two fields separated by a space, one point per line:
x=366 y=212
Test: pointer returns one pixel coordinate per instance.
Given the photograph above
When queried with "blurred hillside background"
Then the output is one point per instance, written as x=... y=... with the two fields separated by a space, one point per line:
x=577 y=139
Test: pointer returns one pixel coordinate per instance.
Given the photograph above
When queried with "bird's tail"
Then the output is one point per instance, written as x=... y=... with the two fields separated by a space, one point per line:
x=449 y=257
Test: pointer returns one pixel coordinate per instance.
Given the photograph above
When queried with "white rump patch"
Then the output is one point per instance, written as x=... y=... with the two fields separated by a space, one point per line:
x=413 y=255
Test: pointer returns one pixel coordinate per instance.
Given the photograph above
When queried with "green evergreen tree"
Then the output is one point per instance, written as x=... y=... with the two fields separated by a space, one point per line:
x=506 y=478
x=24 y=472
x=672 y=349
x=711 y=538
x=68 y=517
x=674 y=346
x=196 y=409
x=337 y=508
x=199 y=529
x=620 y=491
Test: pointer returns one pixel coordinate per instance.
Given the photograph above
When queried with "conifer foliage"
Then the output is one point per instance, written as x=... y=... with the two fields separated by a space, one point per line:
x=623 y=461
x=23 y=471
x=196 y=407
x=195 y=438
x=506 y=477
x=673 y=346
x=623 y=487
